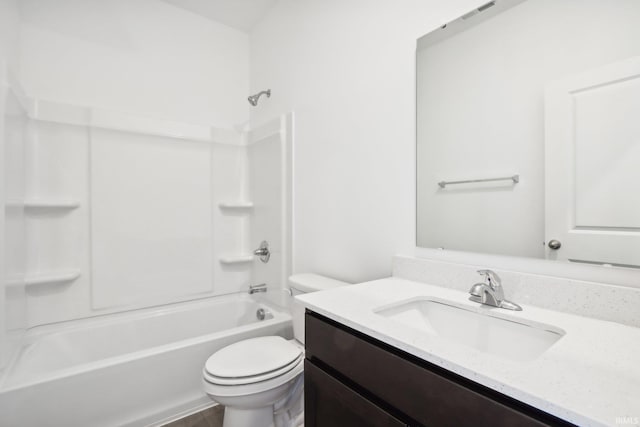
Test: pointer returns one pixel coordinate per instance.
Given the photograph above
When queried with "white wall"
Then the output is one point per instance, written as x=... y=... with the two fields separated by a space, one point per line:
x=481 y=115
x=347 y=70
x=9 y=33
x=143 y=56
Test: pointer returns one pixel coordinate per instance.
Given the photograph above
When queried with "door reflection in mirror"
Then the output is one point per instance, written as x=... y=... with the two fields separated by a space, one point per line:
x=542 y=89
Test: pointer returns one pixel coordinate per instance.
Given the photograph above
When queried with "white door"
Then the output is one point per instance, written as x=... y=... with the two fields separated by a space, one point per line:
x=592 y=155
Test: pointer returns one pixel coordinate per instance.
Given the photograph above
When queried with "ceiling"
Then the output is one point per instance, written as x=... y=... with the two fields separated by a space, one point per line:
x=239 y=14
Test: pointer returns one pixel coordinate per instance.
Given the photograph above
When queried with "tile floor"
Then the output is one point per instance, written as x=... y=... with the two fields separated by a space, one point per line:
x=211 y=417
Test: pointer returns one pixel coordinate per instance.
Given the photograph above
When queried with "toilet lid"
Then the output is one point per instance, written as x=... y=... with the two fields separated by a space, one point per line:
x=253 y=357
x=255 y=379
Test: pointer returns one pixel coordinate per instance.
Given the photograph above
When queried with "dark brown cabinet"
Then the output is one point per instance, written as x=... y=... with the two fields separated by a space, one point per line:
x=335 y=404
x=354 y=380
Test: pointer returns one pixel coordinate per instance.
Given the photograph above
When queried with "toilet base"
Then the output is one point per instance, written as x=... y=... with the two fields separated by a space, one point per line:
x=254 y=417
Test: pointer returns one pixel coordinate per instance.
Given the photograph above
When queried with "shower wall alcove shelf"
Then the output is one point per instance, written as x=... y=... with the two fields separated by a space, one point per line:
x=242 y=209
x=44 y=204
x=236 y=260
x=236 y=206
x=52 y=278
x=37 y=206
x=60 y=204
x=48 y=278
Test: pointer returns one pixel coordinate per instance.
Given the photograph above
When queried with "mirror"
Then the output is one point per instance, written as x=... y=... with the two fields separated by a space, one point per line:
x=528 y=131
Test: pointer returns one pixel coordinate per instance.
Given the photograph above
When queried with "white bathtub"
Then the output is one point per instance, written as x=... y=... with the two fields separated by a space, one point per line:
x=131 y=369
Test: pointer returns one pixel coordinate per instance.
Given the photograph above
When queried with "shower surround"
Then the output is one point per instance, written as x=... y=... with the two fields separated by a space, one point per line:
x=112 y=212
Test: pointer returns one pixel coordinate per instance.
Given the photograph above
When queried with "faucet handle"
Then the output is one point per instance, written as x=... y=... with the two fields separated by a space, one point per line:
x=263 y=251
x=491 y=278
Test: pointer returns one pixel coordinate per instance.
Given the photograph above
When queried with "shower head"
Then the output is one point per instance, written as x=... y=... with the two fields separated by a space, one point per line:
x=253 y=99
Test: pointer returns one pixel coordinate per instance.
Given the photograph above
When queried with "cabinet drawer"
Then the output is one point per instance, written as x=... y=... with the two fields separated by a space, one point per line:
x=329 y=403
x=425 y=393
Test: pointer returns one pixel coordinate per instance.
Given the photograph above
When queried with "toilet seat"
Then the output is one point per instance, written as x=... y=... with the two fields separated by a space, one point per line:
x=254 y=378
x=252 y=361
x=247 y=390
x=224 y=391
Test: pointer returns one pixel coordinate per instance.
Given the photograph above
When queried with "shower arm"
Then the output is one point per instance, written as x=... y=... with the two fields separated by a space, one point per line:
x=253 y=99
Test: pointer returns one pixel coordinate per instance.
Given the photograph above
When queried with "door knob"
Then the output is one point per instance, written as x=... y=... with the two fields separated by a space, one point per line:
x=555 y=244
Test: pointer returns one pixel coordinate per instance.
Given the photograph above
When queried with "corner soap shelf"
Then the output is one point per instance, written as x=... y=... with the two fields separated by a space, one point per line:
x=236 y=206
x=32 y=204
x=37 y=204
x=52 y=277
x=237 y=259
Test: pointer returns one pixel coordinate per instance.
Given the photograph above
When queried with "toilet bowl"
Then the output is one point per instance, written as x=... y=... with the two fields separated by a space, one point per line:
x=259 y=380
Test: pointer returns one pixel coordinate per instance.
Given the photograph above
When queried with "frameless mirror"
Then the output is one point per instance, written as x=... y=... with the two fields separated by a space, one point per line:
x=528 y=131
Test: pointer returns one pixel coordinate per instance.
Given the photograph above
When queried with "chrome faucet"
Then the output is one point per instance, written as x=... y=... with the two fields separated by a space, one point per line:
x=490 y=292
x=263 y=251
x=253 y=289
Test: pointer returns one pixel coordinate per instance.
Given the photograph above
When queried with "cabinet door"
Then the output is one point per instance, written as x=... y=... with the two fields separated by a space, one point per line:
x=330 y=403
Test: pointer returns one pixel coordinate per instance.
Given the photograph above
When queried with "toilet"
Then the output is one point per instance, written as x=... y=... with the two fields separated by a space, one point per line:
x=259 y=380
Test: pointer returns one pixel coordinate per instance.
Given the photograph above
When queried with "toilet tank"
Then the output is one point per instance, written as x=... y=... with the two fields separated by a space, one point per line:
x=302 y=284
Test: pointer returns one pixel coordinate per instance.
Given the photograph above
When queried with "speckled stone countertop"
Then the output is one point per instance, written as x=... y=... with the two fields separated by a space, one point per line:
x=590 y=377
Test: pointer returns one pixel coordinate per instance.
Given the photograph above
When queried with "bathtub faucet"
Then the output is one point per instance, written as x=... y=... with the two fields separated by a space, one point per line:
x=262 y=287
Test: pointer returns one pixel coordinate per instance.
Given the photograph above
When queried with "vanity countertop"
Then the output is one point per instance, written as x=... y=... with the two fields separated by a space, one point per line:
x=590 y=377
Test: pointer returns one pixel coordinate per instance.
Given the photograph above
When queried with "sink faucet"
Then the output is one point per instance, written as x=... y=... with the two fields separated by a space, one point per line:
x=490 y=292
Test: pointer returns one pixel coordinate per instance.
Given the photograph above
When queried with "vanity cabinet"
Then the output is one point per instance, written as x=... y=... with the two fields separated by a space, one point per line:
x=333 y=403
x=354 y=380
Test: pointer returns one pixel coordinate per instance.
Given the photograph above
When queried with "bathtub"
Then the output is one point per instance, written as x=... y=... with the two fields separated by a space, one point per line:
x=131 y=369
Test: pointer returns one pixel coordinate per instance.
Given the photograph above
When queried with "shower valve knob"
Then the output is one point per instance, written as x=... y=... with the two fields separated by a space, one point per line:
x=263 y=252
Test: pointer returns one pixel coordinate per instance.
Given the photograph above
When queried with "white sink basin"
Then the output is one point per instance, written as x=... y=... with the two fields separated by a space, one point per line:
x=510 y=338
